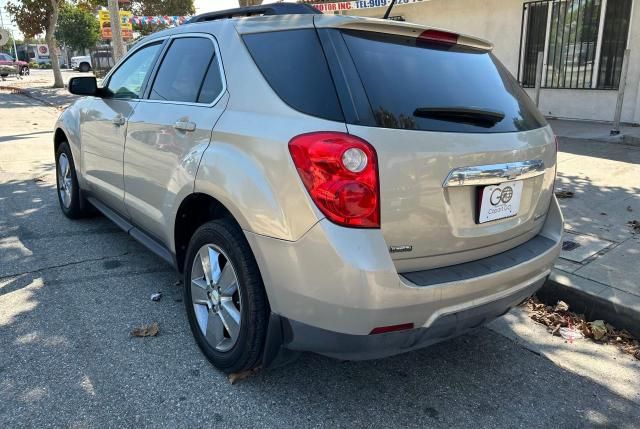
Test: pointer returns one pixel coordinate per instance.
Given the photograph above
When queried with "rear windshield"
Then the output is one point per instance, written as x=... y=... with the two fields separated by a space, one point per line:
x=433 y=87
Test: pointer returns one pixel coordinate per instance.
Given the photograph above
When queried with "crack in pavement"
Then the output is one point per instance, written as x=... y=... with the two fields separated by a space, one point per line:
x=52 y=267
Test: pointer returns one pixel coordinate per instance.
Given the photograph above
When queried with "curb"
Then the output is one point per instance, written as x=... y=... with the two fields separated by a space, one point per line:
x=594 y=300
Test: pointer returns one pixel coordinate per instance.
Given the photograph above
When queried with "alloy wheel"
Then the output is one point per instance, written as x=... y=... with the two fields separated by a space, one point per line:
x=215 y=297
x=65 y=182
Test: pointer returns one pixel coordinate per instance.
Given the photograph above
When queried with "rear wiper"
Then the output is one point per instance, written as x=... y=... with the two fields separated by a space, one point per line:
x=466 y=115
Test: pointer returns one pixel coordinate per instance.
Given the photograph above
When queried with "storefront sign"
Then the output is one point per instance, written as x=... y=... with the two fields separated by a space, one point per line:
x=358 y=4
x=125 y=24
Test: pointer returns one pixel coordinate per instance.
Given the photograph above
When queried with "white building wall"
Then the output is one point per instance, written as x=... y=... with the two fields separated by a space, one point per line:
x=499 y=21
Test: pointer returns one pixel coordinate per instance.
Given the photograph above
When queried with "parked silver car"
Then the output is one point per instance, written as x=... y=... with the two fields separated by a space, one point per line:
x=348 y=186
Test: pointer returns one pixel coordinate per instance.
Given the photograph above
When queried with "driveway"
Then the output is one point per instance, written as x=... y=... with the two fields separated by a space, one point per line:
x=71 y=292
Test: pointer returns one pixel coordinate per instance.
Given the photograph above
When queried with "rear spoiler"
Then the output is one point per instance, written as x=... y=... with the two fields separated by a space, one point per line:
x=400 y=29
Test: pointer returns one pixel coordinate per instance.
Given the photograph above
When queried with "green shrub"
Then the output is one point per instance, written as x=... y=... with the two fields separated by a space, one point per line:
x=33 y=65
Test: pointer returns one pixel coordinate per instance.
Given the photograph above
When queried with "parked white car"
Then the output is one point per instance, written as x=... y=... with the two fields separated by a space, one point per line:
x=82 y=63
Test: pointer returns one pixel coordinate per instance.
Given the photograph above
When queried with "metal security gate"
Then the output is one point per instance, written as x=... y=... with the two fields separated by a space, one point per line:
x=614 y=42
x=582 y=41
x=536 y=25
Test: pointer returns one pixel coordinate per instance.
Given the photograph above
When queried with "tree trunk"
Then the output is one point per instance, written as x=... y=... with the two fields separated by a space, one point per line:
x=51 y=43
x=116 y=31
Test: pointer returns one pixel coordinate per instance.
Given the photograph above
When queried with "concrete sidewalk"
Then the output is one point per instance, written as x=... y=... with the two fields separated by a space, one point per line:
x=599 y=131
x=39 y=84
x=599 y=269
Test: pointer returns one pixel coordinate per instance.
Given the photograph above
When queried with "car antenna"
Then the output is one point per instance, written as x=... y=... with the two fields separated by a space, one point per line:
x=386 y=14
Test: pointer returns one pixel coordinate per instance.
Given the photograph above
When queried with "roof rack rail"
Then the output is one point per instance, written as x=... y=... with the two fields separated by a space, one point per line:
x=268 y=9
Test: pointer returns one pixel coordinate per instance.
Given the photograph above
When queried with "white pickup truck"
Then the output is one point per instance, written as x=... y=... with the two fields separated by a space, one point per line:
x=82 y=63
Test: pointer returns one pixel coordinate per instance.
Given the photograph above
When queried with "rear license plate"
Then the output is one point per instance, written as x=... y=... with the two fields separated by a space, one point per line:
x=500 y=201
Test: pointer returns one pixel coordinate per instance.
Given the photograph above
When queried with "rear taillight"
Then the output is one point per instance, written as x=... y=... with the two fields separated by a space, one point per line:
x=340 y=171
x=438 y=36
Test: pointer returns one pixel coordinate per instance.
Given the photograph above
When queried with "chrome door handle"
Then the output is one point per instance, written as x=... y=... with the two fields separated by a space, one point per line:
x=494 y=173
x=119 y=121
x=184 y=126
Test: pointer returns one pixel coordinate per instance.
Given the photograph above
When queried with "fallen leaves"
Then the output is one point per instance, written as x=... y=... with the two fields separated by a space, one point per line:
x=146 y=330
x=635 y=226
x=564 y=194
x=559 y=317
x=237 y=376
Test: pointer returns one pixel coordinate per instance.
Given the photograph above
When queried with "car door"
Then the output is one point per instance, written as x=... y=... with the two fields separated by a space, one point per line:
x=104 y=126
x=169 y=131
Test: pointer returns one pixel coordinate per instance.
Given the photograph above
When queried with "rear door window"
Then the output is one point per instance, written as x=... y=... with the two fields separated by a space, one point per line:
x=431 y=87
x=294 y=64
x=189 y=72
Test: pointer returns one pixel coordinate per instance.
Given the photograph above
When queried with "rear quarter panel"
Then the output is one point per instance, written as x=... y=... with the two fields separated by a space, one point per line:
x=247 y=166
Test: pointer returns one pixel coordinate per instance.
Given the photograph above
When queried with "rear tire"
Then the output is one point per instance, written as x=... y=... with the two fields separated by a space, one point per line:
x=84 y=67
x=24 y=71
x=214 y=306
x=68 y=190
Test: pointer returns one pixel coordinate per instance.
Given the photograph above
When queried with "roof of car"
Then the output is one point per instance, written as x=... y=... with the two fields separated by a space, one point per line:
x=259 y=23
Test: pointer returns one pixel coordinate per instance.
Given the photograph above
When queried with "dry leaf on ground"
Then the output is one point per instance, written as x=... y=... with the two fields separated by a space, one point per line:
x=39 y=179
x=598 y=329
x=559 y=316
x=146 y=330
x=237 y=376
x=564 y=194
x=635 y=226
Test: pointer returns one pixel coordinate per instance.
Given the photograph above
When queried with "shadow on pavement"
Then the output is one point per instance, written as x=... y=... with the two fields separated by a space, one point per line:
x=604 y=150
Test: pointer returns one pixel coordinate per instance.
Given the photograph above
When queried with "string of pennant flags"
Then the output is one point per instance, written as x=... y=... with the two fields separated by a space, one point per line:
x=322 y=7
x=166 y=20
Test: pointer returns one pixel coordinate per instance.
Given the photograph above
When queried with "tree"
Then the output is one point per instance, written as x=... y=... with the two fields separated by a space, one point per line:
x=162 y=7
x=159 y=8
x=77 y=28
x=243 y=3
x=35 y=17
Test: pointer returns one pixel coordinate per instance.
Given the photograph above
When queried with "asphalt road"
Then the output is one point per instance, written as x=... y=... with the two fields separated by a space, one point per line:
x=71 y=292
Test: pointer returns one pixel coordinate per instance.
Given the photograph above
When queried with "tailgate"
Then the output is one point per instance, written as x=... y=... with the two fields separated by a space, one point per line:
x=435 y=104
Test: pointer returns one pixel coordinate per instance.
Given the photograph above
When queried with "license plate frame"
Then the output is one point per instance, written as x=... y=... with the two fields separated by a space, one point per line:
x=501 y=201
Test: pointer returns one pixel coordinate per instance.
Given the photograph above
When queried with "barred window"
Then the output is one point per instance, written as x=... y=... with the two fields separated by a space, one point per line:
x=582 y=41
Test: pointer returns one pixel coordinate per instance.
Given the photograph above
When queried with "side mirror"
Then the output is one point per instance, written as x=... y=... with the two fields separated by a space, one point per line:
x=83 y=85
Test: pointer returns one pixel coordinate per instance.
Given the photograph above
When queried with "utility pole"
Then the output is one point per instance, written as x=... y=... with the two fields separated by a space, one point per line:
x=13 y=38
x=116 y=30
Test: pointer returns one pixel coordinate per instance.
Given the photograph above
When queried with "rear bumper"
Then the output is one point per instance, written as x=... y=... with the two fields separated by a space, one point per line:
x=334 y=285
x=302 y=337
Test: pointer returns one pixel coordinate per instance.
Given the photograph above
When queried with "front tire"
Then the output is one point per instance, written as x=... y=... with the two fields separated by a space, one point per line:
x=84 y=67
x=69 y=194
x=225 y=298
x=24 y=71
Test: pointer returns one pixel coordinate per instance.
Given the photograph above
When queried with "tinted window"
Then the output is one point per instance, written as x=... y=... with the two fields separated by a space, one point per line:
x=294 y=65
x=127 y=80
x=212 y=85
x=438 y=88
x=181 y=74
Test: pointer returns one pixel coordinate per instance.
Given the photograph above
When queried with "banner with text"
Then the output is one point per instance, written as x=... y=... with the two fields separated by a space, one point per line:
x=358 y=4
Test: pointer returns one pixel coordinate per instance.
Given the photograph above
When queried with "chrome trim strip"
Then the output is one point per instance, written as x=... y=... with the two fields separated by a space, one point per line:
x=493 y=173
